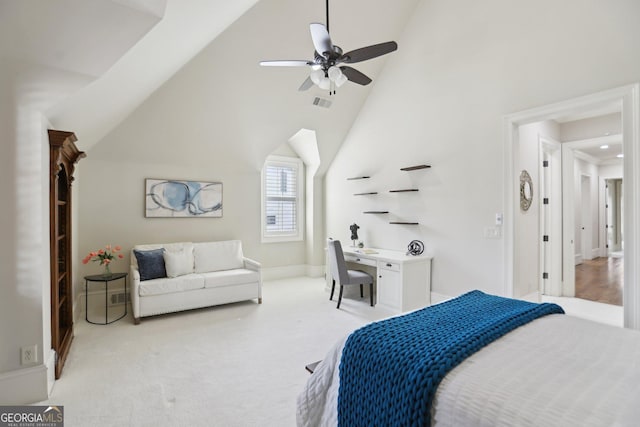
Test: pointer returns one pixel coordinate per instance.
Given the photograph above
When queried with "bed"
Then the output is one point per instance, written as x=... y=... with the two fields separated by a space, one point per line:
x=555 y=370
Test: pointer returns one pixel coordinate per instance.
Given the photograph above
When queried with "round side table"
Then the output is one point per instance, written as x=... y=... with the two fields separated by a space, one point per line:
x=106 y=279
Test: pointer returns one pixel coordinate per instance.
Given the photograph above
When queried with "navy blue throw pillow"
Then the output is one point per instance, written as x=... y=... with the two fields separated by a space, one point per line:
x=150 y=264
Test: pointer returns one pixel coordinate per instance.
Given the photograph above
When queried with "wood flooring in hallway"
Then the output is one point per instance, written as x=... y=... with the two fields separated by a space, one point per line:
x=600 y=280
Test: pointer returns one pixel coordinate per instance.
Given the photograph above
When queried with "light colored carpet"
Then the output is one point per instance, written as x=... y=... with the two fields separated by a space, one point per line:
x=234 y=365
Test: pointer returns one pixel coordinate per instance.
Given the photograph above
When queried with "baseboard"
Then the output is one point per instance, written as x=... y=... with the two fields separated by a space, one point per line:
x=97 y=297
x=578 y=259
x=595 y=253
x=78 y=307
x=50 y=363
x=24 y=386
x=437 y=298
x=315 y=270
x=532 y=297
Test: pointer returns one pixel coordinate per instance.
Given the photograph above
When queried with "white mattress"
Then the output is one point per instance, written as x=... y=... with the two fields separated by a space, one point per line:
x=555 y=371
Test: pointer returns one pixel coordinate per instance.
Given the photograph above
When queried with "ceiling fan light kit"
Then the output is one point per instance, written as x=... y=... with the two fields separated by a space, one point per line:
x=326 y=71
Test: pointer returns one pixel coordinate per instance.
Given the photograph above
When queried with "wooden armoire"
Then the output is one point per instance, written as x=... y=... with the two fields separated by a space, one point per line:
x=63 y=155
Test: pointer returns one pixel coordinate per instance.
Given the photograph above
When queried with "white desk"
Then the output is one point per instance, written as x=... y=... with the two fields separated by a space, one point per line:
x=403 y=282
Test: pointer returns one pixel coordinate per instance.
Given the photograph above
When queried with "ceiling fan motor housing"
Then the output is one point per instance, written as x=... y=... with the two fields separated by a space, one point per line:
x=328 y=59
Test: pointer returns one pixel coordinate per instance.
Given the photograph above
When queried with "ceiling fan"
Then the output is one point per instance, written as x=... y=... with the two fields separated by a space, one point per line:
x=327 y=71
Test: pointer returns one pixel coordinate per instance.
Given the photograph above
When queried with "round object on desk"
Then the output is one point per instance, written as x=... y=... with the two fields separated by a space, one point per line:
x=416 y=247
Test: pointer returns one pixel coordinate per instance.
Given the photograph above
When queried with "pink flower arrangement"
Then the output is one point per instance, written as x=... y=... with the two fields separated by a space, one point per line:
x=104 y=256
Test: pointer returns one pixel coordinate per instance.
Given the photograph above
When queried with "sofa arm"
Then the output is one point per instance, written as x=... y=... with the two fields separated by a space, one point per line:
x=252 y=264
x=134 y=275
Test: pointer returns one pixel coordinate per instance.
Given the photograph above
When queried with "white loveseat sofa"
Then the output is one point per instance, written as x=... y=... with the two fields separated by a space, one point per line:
x=197 y=275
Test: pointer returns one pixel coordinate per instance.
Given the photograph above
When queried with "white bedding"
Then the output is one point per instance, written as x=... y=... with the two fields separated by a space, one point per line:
x=555 y=371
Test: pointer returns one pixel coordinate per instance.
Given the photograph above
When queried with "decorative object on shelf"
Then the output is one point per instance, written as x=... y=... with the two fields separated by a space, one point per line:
x=358 y=177
x=403 y=191
x=416 y=247
x=104 y=257
x=354 y=232
x=526 y=190
x=184 y=199
x=413 y=168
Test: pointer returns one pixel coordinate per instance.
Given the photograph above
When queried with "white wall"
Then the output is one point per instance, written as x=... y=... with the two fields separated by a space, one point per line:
x=24 y=254
x=180 y=132
x=610 y=171
x=460 y=68
x=591 y=127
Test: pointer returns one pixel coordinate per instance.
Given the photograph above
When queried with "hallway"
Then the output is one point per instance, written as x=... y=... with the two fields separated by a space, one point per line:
x=600 y=280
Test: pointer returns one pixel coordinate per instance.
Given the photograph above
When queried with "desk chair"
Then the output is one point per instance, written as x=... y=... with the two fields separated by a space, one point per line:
x=344 y=276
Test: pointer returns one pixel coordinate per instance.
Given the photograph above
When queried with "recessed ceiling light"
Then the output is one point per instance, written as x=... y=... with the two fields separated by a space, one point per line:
x=620 y=156
x=604 y=147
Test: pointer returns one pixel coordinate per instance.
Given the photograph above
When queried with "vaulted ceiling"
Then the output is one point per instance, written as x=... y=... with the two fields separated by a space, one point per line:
x=119 y=52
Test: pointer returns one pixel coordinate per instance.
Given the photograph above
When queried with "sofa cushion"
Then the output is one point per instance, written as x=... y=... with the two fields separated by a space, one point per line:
x=178 y=263
x=167 y=246
x=216 y=256
x=237 y=276
x=150 y=264
x=170 y=285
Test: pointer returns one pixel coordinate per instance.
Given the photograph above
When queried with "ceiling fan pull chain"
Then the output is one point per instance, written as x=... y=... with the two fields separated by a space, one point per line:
x=327 y=15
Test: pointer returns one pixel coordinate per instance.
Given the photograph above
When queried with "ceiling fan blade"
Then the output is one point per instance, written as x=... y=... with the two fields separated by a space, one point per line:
x=355 y=76
x=286 y=63
x=368 y=52
x=306 y=84
x=321 y=38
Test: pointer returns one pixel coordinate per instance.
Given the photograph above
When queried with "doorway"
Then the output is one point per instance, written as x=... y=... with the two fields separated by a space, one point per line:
x=614 y=214
x=601 y=279
x=626 y=100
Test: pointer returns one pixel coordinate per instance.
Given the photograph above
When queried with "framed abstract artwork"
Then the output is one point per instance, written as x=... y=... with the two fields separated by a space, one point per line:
x=168 y=198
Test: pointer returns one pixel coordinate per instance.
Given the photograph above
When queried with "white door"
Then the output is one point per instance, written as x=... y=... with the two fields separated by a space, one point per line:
x=586 y=227
x=568 y=223
x=550 y=195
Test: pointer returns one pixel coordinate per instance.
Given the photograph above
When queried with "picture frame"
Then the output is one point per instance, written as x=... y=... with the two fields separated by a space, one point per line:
x=170 y=198
x=526 y=191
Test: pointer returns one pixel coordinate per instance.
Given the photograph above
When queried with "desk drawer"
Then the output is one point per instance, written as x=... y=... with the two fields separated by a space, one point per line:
x=388 y=265
x=360 y=260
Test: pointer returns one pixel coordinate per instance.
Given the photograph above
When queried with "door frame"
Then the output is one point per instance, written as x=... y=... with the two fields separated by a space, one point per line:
x=627 y=98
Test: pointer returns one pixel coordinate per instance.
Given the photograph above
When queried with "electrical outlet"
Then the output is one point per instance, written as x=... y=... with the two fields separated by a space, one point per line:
x=29 y=354
x=491 y=232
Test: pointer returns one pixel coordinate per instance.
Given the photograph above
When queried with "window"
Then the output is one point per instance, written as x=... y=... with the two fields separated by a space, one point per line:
x=282 y=212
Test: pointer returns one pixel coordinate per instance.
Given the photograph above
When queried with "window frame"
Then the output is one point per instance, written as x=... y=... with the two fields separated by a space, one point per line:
x=293 y=236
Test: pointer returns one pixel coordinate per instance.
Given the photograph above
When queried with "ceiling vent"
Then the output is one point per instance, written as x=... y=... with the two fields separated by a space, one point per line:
x=321 y=102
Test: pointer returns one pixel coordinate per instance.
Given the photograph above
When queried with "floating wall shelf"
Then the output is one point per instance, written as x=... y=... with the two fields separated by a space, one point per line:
x=358 y=177
x=376 y=212
x=413 y=168
x=366 y=194
x=404 y=223
x=403 y=191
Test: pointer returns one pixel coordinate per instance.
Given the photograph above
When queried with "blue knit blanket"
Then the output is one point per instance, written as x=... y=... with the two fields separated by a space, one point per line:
x=389 y=370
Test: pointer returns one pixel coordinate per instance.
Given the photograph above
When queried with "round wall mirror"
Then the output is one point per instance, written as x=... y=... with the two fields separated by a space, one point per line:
x=526 y=190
